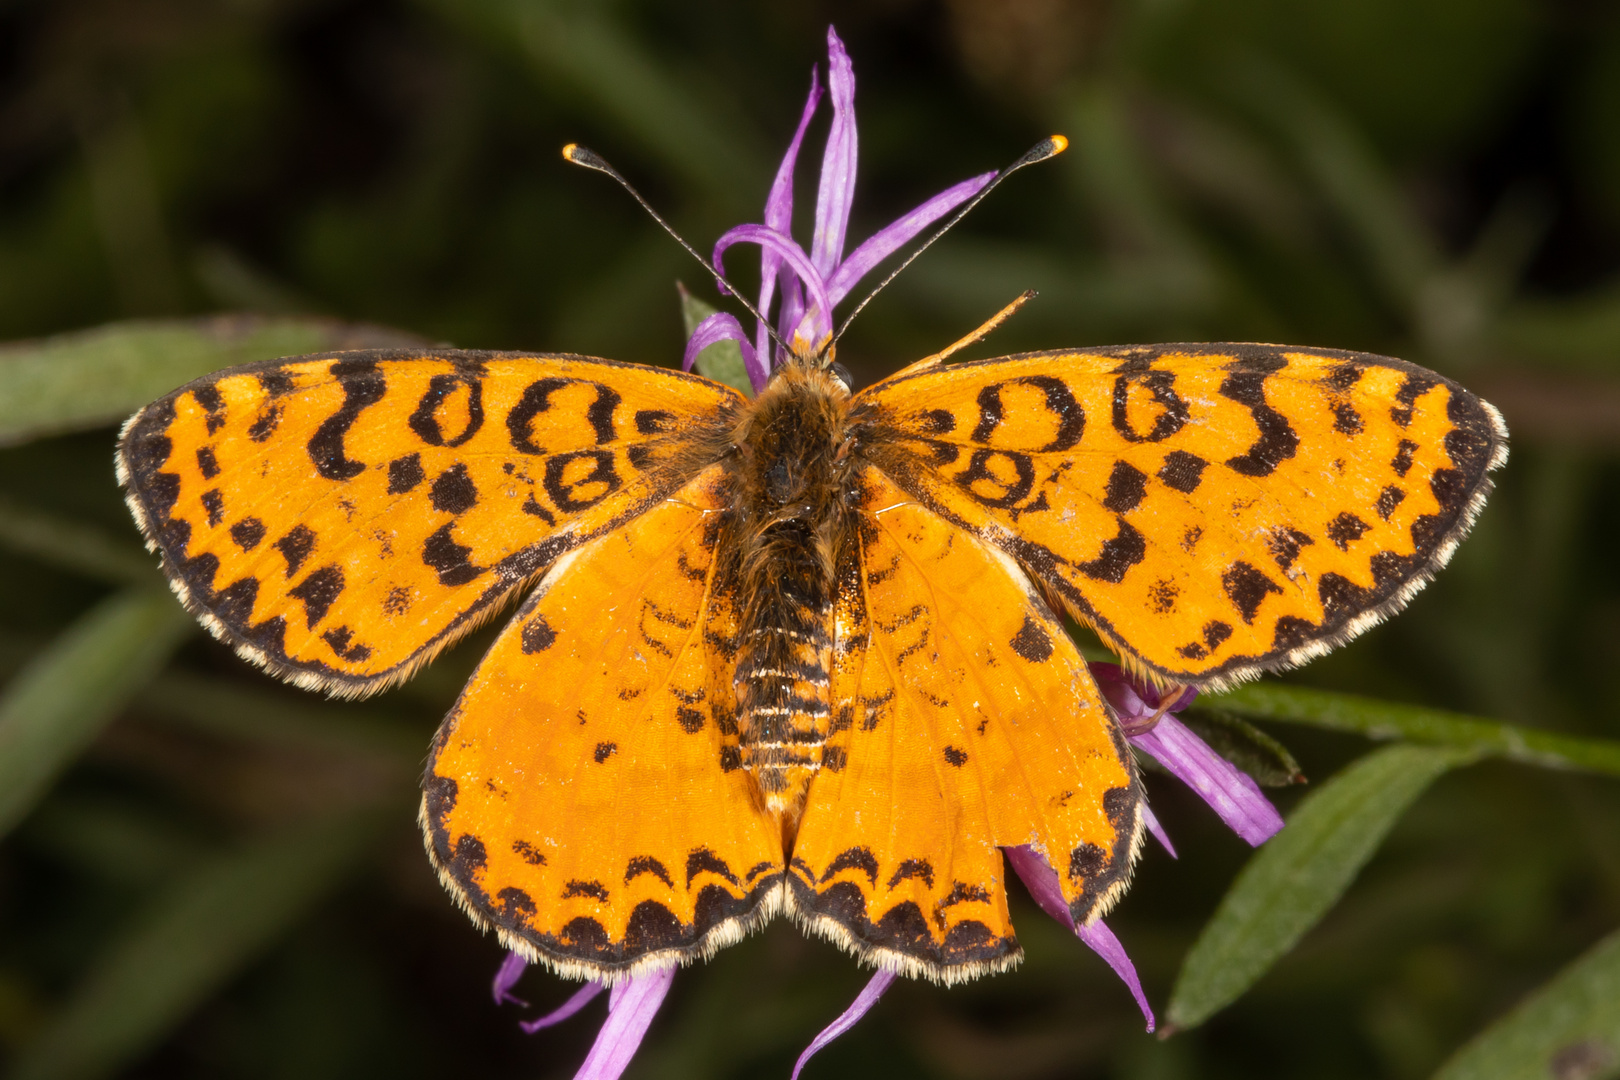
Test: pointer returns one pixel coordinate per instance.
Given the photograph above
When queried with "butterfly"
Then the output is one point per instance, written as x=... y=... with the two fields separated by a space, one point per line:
x=803 y=652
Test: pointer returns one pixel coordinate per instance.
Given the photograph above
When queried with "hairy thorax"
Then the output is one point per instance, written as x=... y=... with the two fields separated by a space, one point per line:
x=790 y=520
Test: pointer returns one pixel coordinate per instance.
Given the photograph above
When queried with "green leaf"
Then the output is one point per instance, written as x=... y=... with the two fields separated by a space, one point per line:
x=1570 y=1028
x=1414 y=723
x=1246 y=746
x=74 y=546
x=722 y=361
x=189 y=942
x=1299 y=874
x=97 y=377
x=56 y=705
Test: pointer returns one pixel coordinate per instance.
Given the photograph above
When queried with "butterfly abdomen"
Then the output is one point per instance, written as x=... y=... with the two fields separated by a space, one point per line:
x=789 y=527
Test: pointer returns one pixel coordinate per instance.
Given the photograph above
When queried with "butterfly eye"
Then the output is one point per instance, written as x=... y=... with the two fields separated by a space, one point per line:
x=841 y=373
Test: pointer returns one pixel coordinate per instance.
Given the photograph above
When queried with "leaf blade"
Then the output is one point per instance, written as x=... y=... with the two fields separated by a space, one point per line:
x=1576 y=1013
x=62 y=699
x=189 y=942
x=1291 y=882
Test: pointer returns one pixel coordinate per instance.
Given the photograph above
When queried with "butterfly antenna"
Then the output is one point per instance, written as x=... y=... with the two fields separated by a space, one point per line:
x=1046 y=148
x=590 y=159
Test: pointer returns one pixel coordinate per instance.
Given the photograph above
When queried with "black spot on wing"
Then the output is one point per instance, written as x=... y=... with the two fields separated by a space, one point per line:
x=1247 y=587
x=1032 y=642
x=1127 y=548
x=646 y=864
x=248 y=533
x=1277 y=442
x=537 y=635
x=1345 y=530
x=594 y=889
x=705 y=861
x=956 y=757
x=214 y=503
x=1284 y=544
x=1402 y=463
x=363 y=386
x=319 y=591
x=1388 y=500
x=913 y=868
x=603 y=751
x=528 y=853
x=296 y=546
x=450 y=559
x=405 y=473
x=453 y=491
x=207 y=464
x=857 y=858
x=1127 y=486
x=1182 y=471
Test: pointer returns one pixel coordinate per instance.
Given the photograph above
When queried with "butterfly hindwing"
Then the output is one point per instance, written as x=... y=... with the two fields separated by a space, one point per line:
x=584 y=797
x=340 y=518
x=1212 y=510
x=966 y=721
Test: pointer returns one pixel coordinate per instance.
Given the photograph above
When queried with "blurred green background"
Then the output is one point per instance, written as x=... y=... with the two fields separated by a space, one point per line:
x=206 y=874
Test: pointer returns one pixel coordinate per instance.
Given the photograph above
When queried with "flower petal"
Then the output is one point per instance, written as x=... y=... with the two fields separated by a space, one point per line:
x=580 y=998
x=1101 y=940
x=1226 y=788
x=506 y=977
x=1151 y=820
x=862 y=1004
x=722 y=326
x=795 y=261
x=779 y=215
x=1043 y=885
x=889 y=239
x=631 y=1008
x=837 y=191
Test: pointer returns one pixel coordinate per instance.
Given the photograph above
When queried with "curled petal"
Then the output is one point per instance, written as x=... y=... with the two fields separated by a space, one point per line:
x=1151 y=820
x=794 y=260
x=889 y=239
x=837 y=191
x=724 y=327
x=779 y=215
x=631 y=1008
x=1043 y=885
x=1102 y=941
x=862 y=1004
x=1041 y=881
x=1226 y=788
x=580 y=998
x=506 y=977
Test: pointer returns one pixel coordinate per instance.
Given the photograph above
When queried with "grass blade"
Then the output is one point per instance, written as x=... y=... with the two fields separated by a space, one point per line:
x=1293 y=880
x=189 y=943
x=57 y=704
x=74 y=546
x=1570 y=1027
x=1414 y=723
x=97 y=377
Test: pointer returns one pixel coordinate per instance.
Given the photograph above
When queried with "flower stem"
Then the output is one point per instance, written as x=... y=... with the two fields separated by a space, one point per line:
x=1389 y=720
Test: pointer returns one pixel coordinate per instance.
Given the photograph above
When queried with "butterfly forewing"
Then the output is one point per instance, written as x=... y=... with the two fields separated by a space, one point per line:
x=584 y=796
x=1211 y=510
x=339 y=518
x=966 y=722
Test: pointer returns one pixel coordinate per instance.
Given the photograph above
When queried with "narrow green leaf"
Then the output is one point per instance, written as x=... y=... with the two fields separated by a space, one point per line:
x=57 y=704
x=1568 y=1028
x=74 y=546
x=96 y=377
x=1390 y=720
x=722 y=361
x=188 y=943
x=1293 y=880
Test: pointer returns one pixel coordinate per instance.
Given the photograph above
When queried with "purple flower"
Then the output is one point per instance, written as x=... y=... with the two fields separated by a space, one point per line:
x=1151 y=727
x=812 y=283
x=632 y=1004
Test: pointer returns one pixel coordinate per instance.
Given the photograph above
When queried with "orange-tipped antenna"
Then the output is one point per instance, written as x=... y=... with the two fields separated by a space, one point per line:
x=590 y=159
x=1046 y=148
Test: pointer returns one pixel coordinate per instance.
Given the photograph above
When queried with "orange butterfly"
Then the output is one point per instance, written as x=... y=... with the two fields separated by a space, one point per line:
x=802 y=652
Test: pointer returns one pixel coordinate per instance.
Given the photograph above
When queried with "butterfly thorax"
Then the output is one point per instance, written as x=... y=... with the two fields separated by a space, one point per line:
x=789 y=484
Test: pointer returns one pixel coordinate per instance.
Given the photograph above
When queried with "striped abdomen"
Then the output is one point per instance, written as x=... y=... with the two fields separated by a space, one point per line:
x=782 y=701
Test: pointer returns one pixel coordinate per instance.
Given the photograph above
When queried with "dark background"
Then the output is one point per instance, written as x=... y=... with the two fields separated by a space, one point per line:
x=1434 y=179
